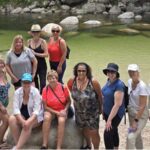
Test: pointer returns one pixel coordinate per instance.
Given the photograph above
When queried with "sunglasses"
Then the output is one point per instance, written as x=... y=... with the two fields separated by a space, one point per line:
x=35 y=31
x=57 y=31
x=81 y=70
x=111 y=71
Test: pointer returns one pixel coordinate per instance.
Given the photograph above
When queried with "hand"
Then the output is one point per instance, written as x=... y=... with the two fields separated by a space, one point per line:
x=3 y=110
x=108 y=126
x=15 y=80
x=27 y=124
x=63 y=113
x=59 y=69
x=134 y=125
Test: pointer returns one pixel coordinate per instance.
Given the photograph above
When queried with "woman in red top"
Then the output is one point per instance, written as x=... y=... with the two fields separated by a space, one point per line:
x=56 y=101
x=57 y=50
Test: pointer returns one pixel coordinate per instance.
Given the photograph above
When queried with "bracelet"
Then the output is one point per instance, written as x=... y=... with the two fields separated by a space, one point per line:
x=136 y=120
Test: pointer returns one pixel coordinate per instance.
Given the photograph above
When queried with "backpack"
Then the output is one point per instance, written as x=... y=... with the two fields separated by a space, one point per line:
x=68 y=51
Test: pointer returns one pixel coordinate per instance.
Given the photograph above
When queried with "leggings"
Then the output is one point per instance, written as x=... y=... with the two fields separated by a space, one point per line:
x=111 y=137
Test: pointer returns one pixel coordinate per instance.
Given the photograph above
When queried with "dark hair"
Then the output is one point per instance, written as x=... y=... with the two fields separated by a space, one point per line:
x=88 y=70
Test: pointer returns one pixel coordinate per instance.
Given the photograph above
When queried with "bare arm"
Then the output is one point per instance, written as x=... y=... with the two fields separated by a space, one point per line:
x=63 y=47
x=34 y=67
x=97 y=89
x=118 y=99
x=9 y=71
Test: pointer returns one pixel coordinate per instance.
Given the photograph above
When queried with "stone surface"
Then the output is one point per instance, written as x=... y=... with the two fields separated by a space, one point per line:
x=72 y=137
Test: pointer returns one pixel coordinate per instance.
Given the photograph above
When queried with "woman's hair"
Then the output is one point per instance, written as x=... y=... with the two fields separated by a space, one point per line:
x=2 y=62
x=3 y=72
x=52 y=73
x=88 y=70
x=17 y=37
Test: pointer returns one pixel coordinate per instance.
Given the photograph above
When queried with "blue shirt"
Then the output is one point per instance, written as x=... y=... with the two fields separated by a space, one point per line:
x=108 y=96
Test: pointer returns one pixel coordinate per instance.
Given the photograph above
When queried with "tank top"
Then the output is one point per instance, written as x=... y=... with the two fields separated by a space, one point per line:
x=24 y=111
x=41 y=60
x=54 y=51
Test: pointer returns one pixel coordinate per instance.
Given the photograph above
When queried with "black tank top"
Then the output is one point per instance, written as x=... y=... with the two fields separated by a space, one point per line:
x=24 y=111
x=41 y=60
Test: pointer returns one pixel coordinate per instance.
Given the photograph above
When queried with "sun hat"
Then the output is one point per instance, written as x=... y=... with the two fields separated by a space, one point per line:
x=35 y=28
x=133 y=67
x=26 y=77
x=111 y=67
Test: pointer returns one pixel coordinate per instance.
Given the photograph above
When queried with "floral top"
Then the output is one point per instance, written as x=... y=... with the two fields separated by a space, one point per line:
x=4 y=94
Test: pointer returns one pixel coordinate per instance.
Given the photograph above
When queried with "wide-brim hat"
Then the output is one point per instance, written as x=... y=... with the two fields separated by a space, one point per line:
x=26 y=77
x=35 y=28
x=111 y=67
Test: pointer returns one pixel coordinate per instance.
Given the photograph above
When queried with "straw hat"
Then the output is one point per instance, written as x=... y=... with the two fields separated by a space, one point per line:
x=35 y=28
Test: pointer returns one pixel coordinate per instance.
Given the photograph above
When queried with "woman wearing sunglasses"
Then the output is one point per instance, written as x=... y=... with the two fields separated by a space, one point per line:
x=39 y=49
x=113 y=105
x=57 y=52
x=86 y=93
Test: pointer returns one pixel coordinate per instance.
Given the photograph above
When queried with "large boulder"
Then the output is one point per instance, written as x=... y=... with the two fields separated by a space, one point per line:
x=126 y=15
x=115 y=10
x=72 y=138
x=46 y=30
x=72 y=20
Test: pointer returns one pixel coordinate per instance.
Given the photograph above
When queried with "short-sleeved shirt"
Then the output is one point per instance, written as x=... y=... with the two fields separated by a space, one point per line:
x=4 y=94
x=52 y=101
x=22 y=64
x=54 y=51
x=108 y=97
x=140 y=90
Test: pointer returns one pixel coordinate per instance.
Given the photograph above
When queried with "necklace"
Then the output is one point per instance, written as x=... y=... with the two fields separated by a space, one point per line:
x=81 y=84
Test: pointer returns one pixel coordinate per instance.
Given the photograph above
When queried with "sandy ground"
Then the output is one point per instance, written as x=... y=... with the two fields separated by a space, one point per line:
x=123 y=134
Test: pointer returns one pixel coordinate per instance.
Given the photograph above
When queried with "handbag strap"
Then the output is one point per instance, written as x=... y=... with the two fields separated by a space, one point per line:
x=57 y=95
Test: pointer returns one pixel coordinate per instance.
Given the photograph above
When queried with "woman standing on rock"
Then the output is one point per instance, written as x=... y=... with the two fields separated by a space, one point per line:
x=39 y=49
x=113 y=105
x=86 y=93
x=57 y=50
x=20 y=60
x=137 y=108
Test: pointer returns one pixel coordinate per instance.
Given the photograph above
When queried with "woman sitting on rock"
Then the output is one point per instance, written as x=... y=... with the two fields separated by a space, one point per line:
x=56 y=101
x=28 y=111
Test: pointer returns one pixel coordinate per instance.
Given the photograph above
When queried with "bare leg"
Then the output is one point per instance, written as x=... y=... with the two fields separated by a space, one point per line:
x=95 y=137
x=15 y=128
x=46 y=127
x=60 y=132
x=25 y=133
x=87 y=137
x=4 y=118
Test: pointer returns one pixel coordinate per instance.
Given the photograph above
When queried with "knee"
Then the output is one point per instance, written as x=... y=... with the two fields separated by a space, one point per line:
x=61 y=120
x=47 y=117
x=12 y=120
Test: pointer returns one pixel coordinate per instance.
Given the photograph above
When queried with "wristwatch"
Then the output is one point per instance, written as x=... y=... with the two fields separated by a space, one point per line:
x=136 y=120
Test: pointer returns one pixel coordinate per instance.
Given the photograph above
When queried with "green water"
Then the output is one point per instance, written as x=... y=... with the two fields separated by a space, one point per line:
x=96 y=46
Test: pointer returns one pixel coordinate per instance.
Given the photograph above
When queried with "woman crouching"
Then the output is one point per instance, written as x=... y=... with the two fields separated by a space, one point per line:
x=56 y=101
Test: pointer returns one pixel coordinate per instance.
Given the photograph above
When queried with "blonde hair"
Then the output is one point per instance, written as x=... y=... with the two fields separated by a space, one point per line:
x=2 y=62
x=2 y=71
x=17 y=37
x=57 y=27
x=52 y=73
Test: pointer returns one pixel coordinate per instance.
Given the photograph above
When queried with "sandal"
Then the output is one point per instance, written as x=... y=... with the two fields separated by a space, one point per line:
x=85 y=147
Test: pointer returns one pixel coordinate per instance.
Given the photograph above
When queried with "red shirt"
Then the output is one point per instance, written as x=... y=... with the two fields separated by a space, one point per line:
x=52 y=101
x=54 y=51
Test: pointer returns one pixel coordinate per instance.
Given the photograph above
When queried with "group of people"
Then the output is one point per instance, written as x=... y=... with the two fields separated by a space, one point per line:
x=36 y=103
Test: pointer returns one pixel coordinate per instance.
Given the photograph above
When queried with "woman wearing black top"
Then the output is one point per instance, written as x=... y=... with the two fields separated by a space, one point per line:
x=39 y=47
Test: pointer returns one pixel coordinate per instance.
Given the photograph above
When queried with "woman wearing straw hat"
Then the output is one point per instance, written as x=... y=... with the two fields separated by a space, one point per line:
x=57 y=50
x=113 y=105
x=19 y=60
x=39 y=49
x=27 y=111
x=137 y=108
